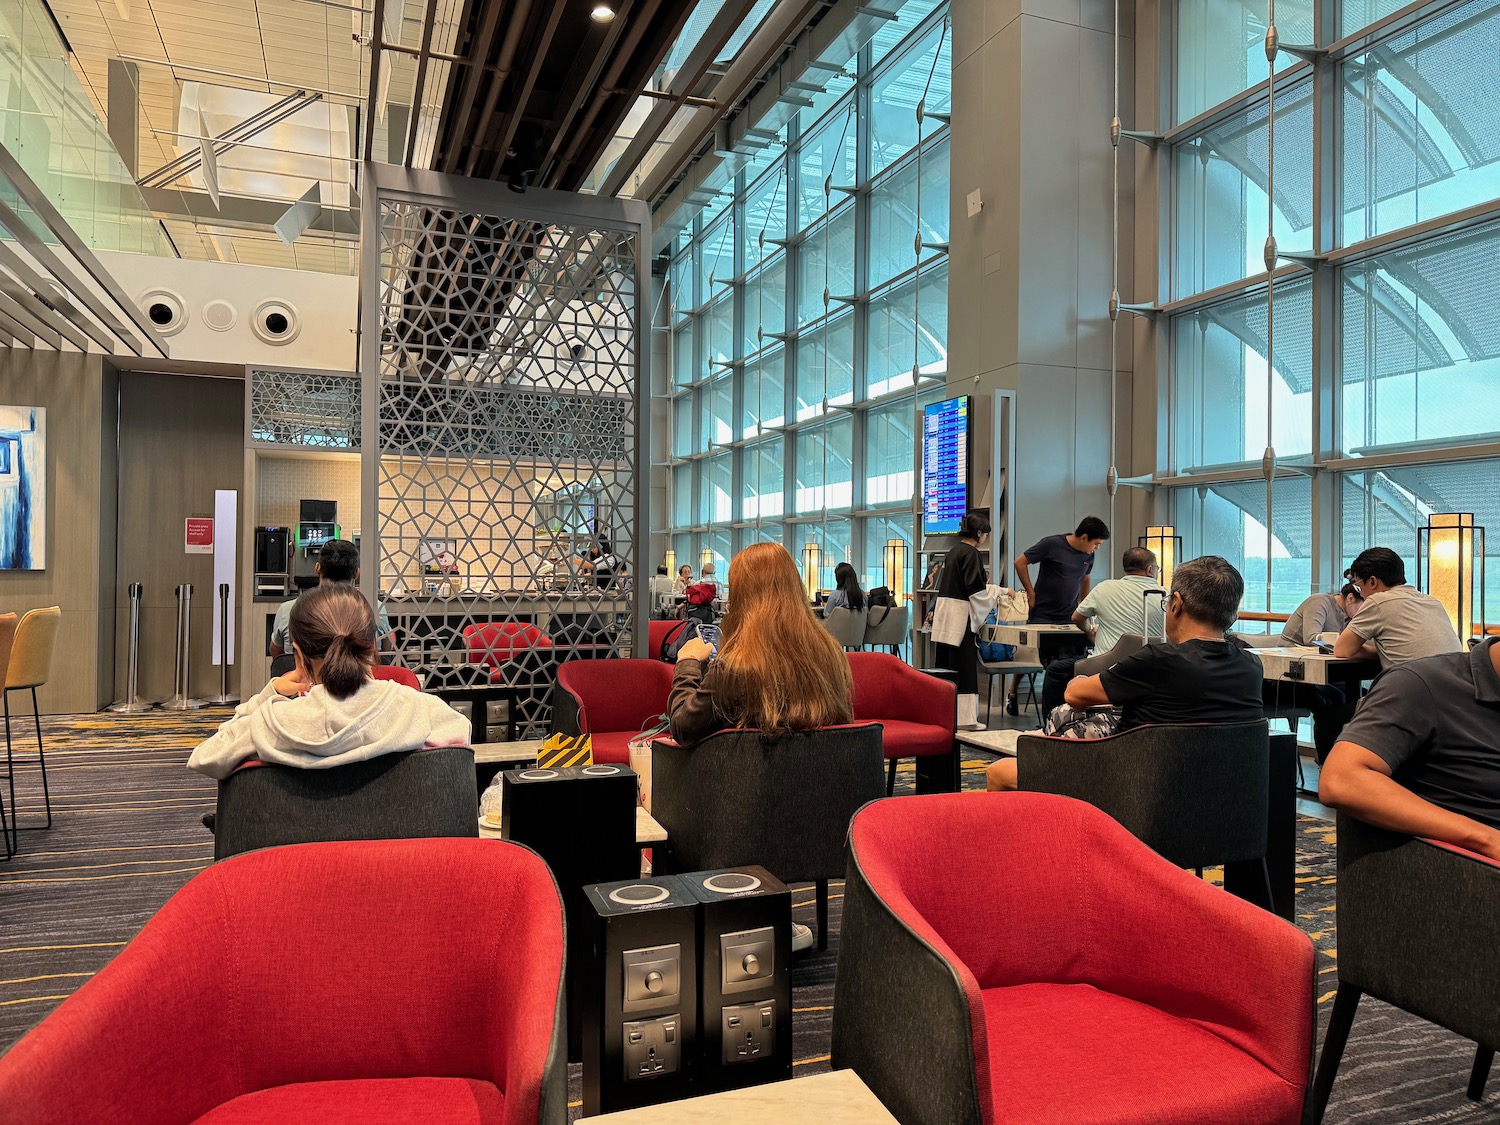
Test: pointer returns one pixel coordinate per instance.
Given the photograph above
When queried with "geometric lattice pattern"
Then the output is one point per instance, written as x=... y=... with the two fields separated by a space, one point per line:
x=303 y=409
x=506 y=444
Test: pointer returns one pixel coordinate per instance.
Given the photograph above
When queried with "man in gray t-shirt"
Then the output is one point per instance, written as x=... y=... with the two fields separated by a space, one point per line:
x=1422 y=754
x=1322 y=613
x=1397 y=622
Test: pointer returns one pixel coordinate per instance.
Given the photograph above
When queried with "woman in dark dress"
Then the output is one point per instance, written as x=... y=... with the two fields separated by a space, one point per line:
x=963 y=591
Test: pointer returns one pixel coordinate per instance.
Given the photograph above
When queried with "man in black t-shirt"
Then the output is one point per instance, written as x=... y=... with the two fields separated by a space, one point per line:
x=1064 y=563
x=1422 y=753
x=1195 y=676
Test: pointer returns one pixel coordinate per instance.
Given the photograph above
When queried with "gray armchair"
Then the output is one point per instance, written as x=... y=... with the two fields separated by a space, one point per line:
x=1197 y=795
x=396 y=796
x=784 y=803
x=1416 y=928
x=887 y=626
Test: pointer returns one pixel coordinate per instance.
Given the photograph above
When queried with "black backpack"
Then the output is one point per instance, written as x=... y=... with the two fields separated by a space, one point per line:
x=879 y=596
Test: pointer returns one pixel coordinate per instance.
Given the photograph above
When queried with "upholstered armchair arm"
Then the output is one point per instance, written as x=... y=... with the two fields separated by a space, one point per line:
x=901 y=992
x=920 y=698
x=147 y=1040
x=1164 y=937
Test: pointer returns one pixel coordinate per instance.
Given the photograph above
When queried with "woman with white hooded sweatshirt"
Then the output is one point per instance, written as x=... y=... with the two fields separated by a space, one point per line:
x=329 y=710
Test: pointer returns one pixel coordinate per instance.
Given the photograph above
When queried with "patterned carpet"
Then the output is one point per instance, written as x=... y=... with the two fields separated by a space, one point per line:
x=126 y=835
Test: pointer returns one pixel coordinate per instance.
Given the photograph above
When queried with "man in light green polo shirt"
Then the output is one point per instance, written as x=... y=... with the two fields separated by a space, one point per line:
x=1107 y=612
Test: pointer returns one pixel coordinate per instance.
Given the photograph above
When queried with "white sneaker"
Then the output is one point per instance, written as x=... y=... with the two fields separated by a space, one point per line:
x=976 y=725
x=802 y=937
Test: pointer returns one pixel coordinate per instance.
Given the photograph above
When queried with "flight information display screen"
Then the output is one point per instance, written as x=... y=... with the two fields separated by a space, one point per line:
x=945 y=465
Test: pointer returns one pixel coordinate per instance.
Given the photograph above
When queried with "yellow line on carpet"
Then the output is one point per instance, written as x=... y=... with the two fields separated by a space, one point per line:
x=48 y=948
x=31 y=1000
x=809 y=1062
x=5 y=875
x=822 y=1008
x=120 y=848
x=100 y=878
x=205 y=803
x=45 y=976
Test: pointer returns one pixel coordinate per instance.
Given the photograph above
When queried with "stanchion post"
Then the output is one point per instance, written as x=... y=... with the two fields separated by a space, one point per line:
x=223 y=697
x=181 y=700
x=133 y=703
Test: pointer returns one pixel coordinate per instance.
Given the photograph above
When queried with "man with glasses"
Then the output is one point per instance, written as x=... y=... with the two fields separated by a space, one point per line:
x=1397 y=622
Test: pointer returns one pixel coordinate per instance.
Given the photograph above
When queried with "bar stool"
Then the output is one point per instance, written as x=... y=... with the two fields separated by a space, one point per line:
x=7 y=635
x=30 y=665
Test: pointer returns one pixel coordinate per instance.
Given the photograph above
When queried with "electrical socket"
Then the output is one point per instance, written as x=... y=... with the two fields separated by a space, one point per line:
x=749 y=1031
x=1296 y=670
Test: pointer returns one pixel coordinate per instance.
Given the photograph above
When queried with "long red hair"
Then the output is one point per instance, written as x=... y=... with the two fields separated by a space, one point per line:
x=787 y=670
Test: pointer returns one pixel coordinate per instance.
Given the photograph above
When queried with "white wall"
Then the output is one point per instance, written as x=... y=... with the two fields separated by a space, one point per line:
x=326 y=304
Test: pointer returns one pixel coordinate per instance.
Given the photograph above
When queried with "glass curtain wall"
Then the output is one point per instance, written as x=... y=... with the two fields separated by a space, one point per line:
x=1377 y=397
x=809 y=319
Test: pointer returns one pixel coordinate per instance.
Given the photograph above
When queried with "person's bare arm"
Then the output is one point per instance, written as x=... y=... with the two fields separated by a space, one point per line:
x=1086 y=691
x=1359 y=782
x=1083 y=588
x=1351 y=645
x=1084 y=627
x=1023 y=575
x=275 y=650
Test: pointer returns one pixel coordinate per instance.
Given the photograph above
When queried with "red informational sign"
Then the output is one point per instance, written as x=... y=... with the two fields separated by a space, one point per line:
x=198 y=536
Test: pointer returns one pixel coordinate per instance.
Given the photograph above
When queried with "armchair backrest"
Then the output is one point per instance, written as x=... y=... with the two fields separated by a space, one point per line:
x=847 y=625
x=494 y=642
x=394 y=796
x=886 y=687
x=615 y=695
x=31 y=648
x=1417 y=923
x=397 y=674
x=316 y=963
x=1122 y=648
x=1196 y=795
x=887 y=625
x=785 y=803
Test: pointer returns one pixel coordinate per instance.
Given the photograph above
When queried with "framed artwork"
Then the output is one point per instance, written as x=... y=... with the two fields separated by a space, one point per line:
x=23 y=487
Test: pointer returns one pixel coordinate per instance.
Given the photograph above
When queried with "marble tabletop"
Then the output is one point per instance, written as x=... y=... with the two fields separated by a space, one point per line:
x=836 y=1097
x=491 y=753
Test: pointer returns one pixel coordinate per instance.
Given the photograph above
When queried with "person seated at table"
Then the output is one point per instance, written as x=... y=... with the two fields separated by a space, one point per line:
x=1422 y=754
x=684 y=579
x=1322 y=613
x=1197 y=675
x=338 y=562
x=776 y=668
x=846 y=593
x=1397 y=622
x=1119 y=606
x=1328 y=704
x=329 y=710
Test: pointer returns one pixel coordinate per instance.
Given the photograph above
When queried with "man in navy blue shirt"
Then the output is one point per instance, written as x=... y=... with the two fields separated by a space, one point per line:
x=1063 y=563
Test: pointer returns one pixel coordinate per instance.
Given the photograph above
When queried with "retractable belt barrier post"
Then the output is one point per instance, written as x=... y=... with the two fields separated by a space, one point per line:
x=223 y=697
x=133 y=703
x=181 y=700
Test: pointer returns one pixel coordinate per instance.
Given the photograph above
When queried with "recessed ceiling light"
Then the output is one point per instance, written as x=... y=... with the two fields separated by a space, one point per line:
x=602 y=13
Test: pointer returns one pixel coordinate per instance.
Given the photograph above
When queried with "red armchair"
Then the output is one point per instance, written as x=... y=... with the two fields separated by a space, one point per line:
x=378 y=981
x=495 y=642
x=1081 y=978
x=397 y=674
x=919 y=714
x=610 y=701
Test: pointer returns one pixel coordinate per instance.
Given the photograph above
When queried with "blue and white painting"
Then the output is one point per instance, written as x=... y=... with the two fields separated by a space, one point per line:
x=23 y=487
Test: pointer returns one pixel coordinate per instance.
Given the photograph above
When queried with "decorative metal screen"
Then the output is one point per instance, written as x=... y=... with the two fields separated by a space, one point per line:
x=506 y=352
x=304 y=409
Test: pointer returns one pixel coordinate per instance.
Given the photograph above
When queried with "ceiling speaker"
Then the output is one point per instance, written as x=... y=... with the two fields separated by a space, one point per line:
x=165 y=310
x=276 y=321
x=219 y=315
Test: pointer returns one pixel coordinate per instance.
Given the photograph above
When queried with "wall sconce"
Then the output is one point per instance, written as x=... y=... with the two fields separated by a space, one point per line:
x=1164 y=542
x=810 y=570
x=671 y=562
x=1446 y=544
x=895 y=570
x=705 y=559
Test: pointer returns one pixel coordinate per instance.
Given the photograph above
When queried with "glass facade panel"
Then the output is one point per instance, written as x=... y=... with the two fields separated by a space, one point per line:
x=1229 y=520
x=1421 y=347
x=1222 y=394
x=880 y=530
x=1221 y=48
x=1220 y=199
x=919 y=75
x=824 y=412
x=1422 y=123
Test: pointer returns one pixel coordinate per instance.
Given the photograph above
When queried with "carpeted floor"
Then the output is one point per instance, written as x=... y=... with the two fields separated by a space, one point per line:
x=127 y=834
